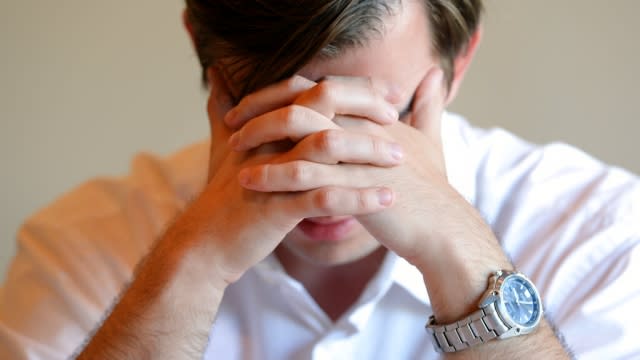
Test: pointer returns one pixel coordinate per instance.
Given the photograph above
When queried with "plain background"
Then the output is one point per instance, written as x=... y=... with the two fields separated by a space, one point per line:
x=85 y=84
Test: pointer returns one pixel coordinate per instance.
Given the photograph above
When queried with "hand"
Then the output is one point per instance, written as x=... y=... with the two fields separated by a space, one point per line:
x=420 y=182
x=244 y=226
x=427 y=205
x=430 y=224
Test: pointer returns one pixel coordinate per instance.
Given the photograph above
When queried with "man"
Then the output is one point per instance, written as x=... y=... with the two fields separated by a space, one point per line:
x=341 y=208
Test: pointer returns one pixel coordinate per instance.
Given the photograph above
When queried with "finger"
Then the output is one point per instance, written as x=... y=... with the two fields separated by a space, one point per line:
x=339 y=146
x=353 y=124
x=267 y=99
x=429 y=104
x=338 y=201
x=302 y=175
x=361 y=97
x=292 y=122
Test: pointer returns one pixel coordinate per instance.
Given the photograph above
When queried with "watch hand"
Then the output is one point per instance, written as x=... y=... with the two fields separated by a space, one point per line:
x=515 y=295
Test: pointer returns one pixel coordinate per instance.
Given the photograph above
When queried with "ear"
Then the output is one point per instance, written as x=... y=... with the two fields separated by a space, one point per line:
x=186 y=22
x=188 y=26
x=462 y=62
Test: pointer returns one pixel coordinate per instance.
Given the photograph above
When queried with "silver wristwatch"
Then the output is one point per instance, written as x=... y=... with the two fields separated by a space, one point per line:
x=511 y=306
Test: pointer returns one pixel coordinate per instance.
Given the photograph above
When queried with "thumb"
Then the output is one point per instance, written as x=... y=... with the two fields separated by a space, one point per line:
x=429 y=103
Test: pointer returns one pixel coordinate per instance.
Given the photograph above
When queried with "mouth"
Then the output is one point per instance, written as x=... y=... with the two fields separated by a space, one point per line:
x=327 y=229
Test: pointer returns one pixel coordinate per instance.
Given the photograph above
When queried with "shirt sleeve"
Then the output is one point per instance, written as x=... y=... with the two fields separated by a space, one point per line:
x=572 y=224
x=76 y=256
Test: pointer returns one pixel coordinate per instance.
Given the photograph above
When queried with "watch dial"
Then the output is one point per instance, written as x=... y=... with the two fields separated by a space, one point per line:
x=520 y=300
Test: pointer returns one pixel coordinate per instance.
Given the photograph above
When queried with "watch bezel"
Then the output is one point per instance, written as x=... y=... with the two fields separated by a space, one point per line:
x=496 y=296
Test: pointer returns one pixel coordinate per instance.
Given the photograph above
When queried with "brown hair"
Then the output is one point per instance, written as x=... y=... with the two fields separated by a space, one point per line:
x=260 y=42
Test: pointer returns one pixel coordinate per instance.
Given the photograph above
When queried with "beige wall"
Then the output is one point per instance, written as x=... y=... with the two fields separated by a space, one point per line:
x=86 y=84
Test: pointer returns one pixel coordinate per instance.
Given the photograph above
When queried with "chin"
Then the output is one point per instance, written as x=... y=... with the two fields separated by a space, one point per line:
x=327 y=253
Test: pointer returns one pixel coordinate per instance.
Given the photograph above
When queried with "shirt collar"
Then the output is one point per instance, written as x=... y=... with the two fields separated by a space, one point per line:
x=394 y=271
x=408 y=278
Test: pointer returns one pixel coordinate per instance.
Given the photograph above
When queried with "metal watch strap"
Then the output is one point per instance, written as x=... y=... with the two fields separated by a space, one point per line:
x=479 y=327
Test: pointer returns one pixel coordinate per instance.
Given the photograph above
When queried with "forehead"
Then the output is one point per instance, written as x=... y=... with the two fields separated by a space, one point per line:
x=398 y=57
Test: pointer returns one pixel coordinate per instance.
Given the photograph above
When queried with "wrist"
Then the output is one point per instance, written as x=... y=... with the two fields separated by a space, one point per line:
x=192 y=252
x=457 y=266
x=156 y=315
x=511 y=306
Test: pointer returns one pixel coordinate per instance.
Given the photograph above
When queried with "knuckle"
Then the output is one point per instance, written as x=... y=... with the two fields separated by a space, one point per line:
x=362 y=200
x=326 y=89
x=298 y=172
x=258 y=176
x=263 y=175
x=376 y=146
x=291 y=116
x=328 y=141
x=326 y=199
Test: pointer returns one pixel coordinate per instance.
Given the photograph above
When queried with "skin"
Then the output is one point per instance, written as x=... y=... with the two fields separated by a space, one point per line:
x=324 y=150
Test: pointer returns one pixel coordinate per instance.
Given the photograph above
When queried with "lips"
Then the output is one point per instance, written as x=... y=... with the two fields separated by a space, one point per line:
x=327 y=228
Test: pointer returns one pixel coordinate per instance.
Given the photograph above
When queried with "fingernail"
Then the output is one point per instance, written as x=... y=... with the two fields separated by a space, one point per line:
x=385 y=197
x=396 y=151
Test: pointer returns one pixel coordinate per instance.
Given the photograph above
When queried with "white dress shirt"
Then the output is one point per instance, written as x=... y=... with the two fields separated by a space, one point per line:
x=569 y=222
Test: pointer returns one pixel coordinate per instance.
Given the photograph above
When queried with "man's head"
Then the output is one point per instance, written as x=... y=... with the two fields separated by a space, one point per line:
x=248 y=37
x=396 y=43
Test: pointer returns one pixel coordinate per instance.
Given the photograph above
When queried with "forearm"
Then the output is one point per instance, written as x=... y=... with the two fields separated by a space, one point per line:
x=457 y=282
x=168 y=310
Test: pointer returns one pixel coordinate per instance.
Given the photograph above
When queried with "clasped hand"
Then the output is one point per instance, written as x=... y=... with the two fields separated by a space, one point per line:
x=300 y=149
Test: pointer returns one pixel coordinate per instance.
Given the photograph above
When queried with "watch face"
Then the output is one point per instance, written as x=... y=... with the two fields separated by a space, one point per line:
x=521 y=300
